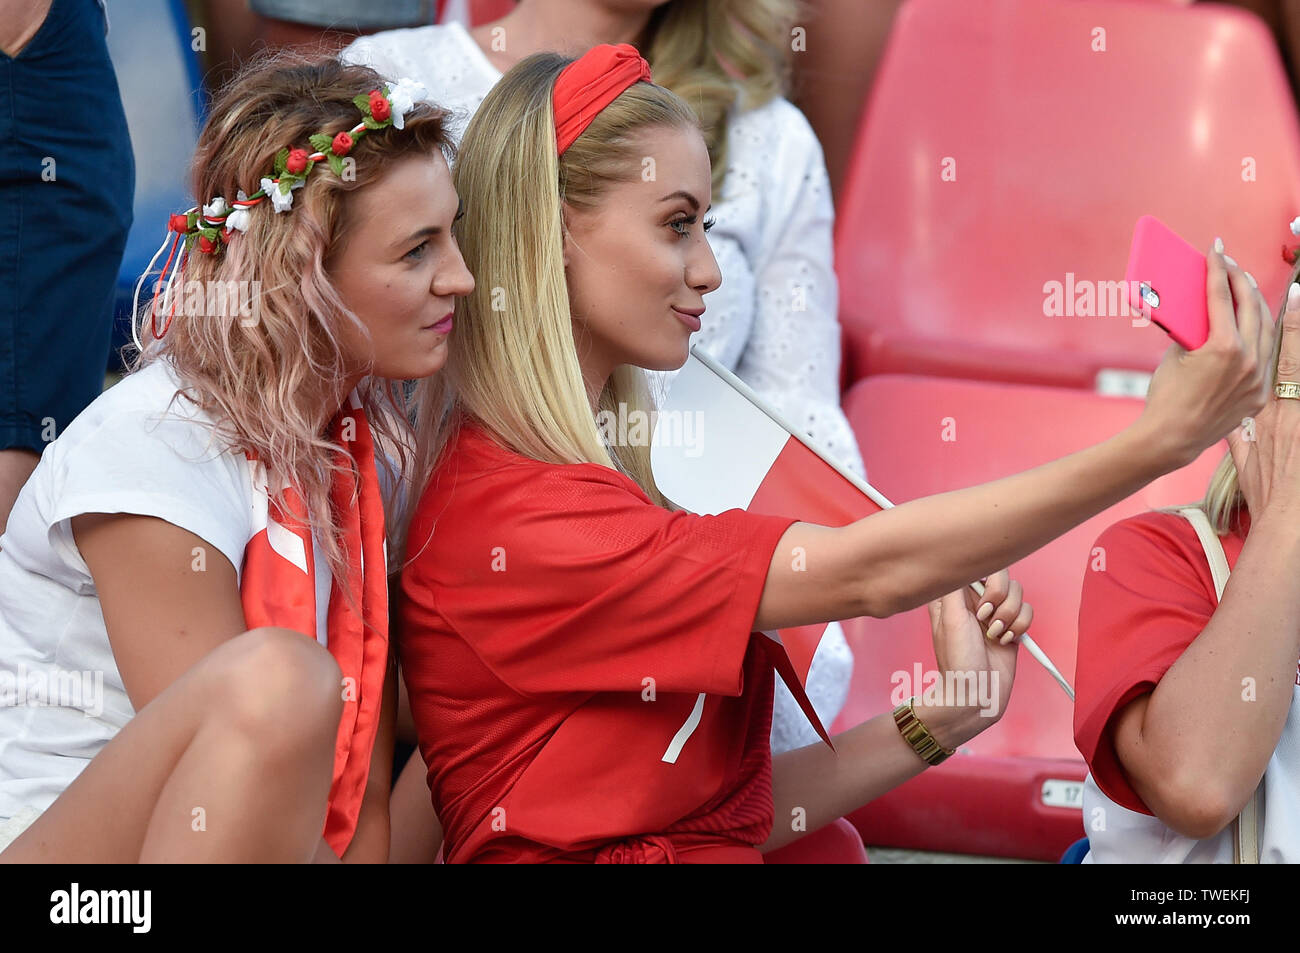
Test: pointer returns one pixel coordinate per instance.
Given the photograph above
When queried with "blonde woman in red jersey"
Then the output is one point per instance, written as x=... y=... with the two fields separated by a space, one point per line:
x=580 y=658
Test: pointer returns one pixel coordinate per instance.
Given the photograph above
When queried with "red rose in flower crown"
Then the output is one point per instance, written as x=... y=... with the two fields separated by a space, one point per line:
x=206 y=245
x=341 y=145
x=379 y=108
x=179 y=223
x=1291 y=254
x=297 y=161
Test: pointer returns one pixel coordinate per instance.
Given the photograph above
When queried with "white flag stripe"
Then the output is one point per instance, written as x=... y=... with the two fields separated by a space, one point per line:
x=737 y=384
x=287 y=544
x=737 y=447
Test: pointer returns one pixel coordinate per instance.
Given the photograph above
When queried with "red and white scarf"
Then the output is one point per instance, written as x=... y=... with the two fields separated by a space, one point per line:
x=278 y=588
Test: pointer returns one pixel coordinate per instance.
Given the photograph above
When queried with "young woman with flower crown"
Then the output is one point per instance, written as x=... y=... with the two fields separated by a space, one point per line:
x=581 y=660
x=206 y=542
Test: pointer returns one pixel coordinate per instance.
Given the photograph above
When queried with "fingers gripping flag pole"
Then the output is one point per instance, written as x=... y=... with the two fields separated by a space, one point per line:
x=756 y=460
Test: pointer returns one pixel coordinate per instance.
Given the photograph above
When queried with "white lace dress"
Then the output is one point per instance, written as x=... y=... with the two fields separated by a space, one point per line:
x=773 y=320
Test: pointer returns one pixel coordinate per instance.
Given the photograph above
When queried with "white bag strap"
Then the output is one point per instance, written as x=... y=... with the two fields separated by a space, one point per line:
x=1212 y=545
x=1245 y=835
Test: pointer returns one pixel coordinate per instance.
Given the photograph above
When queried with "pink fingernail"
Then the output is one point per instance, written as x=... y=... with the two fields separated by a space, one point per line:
x=986 y=610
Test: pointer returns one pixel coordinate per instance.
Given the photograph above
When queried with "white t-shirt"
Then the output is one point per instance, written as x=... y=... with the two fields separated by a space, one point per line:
x=1117 y=835
x=772 y=240
x=61 y=696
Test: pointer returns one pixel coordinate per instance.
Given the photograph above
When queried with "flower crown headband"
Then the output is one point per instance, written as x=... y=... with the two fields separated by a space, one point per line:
x=1291 y=254
x=214 y=225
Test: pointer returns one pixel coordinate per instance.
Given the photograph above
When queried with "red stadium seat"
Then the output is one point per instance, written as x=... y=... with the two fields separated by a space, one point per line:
x=920 y=436
x=1001 y=149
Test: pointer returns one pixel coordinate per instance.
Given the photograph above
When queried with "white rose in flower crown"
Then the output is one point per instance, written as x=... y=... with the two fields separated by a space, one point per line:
x=216 y=208
x=280 y=201
x=402 y=95
x=237 y=220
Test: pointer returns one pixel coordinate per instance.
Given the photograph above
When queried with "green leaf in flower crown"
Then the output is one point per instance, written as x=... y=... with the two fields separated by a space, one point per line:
x=286 y=183
x=373 y=123
x=336 y=163
x=191 y=219
x=281 y=158
x=321 y=142
x=363 y=103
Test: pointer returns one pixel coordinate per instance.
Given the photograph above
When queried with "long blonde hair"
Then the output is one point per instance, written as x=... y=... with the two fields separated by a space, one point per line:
x=272 y=385
x=513 y=364
x=1224 y=501
x=716 y=54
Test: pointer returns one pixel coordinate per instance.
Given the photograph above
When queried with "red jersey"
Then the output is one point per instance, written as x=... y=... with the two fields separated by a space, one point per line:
x=1136 y=618
x=581 y=667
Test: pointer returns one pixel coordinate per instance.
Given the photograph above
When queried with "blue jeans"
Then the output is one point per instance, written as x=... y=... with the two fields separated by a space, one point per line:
x=350 y=16
x=67 y=179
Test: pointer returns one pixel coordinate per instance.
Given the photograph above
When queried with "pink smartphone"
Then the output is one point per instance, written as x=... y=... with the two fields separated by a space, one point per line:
x=1166 y=281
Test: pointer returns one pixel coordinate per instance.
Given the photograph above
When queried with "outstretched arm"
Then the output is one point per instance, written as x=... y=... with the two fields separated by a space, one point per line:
x=903 y=557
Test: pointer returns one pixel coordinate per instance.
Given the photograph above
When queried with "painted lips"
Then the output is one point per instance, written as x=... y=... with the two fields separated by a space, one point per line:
x=690 y=320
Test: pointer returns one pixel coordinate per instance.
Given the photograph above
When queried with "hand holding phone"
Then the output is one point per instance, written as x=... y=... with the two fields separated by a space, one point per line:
x=1199 y=395
x=1166 y=279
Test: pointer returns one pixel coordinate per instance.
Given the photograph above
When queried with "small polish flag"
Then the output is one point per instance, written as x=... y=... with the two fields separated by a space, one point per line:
x=746 y=455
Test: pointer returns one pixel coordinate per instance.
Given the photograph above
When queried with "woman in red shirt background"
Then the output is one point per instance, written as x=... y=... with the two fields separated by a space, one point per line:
x=1184 y=701
x=580 y=658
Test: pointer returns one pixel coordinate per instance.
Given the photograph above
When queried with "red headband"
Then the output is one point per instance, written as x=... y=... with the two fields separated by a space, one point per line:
x=589 y=84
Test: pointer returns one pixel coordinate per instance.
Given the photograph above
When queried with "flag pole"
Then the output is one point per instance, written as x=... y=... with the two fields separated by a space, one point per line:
x=871 y=492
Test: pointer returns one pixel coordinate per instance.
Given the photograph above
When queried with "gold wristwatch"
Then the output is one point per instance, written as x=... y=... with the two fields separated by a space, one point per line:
x=918 y=736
